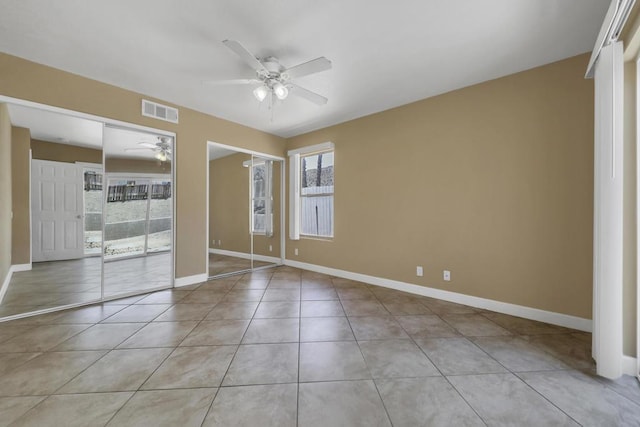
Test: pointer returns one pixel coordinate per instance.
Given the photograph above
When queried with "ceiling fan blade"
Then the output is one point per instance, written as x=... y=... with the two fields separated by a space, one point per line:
x=307 y=68
x=138 y=149
x=307 y=94
x=230 y=82
x=246 y=56
x=149 y=145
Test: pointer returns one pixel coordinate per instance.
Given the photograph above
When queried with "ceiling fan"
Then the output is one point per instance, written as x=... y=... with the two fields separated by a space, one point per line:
x=161 y=148
x=274 y=79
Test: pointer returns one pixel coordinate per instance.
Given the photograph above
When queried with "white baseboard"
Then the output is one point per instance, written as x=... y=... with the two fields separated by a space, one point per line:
x=629 y=365
x=244 y=255
x=5 y=284
x=551 y=317
x=21 y=267
x=12 y=269
x=190 y=280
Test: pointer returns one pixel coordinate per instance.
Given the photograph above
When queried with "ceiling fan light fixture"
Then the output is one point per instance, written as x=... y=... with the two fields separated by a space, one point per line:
x=280 y=91
x=260 y=93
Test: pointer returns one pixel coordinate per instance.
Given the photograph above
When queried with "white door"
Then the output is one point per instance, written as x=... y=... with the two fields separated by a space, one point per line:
x=57 y=211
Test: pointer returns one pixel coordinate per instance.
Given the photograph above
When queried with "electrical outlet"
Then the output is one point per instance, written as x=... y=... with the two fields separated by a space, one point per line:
x=295 y=251
x=446 y=275
x=270 y=248
x=219 y=242
x=419 y=271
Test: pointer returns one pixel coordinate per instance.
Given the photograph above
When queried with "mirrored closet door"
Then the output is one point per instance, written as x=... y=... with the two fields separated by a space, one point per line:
x=93 y=210
x=138 y=211
x=244 y=211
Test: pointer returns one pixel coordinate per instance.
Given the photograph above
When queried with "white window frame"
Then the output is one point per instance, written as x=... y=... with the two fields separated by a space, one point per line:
x=295 y=187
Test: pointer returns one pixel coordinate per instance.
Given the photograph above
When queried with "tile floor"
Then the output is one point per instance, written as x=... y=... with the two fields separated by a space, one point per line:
x=57 y=283
x=285 y=347
x=223 y=264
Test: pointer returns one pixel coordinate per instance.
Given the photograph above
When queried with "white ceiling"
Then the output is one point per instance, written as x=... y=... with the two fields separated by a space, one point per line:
x=63 y=129
x=384 y=53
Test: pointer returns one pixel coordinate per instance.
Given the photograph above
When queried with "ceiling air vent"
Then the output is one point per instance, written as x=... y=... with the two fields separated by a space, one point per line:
x=159 y=111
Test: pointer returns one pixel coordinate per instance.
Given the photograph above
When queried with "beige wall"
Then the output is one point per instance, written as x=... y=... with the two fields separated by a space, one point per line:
x=20 y=169
x=493 y=182
x=229 y=207
x=43 y=150
x=228 y=203
x=5 y=192
x=34 y=82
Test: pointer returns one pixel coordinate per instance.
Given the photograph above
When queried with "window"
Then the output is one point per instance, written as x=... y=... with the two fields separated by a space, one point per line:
x=312 y=187
x=261 y=198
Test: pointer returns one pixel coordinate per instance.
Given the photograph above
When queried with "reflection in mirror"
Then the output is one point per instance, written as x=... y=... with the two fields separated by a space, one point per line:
x=265 y=198
x=244 y=211
x=57 y=206
x=138 y=212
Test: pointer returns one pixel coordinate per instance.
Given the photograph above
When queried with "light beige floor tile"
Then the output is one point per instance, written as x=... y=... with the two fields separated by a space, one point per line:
x=40 y=338
x=10 y=361
x=244 y=295
x=518 y=355
x=12 y=408
x=272 y=331
x=321 y=309
x=233 y=311
x=46 y=373
x=318 y=294
x=344 y=403
x=281 y=295
x=75 y=410
x=445 y=307
x=170 y=296
x=120 y=370
x=277 y=309
x=518 y=325
x=160 y=334
x=396 y=358
x=504 y=400
x=9 y=330
x=406 y=308
x=181 y=312
x=216 y=332
x=458 y=356
x=355 y=294
x=204 y=297
x=474 y=325
x=376 y=328
x=357 y=307
x=191 y=367
x=248 y=406
x=284 y=284
x=105 y=336
x=263 y=364
x=185 y=408
x=325 y=329
x=585 y=399
x=91 y=314
x=429 y=401
x=138 y=313
x=426 y=326
x=331 y=361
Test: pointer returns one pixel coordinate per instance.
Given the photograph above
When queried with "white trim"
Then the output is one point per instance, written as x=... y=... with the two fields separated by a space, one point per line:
x=5 y=283
x=629 y=365
x=12 y=269
x=325 y=146
x=244 y=255
x=21 y=267
x=551 y=317
x=612 y=25
x=190 y=280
